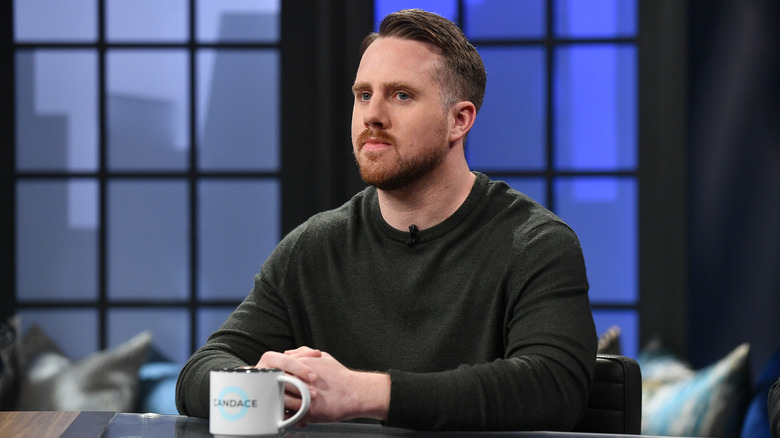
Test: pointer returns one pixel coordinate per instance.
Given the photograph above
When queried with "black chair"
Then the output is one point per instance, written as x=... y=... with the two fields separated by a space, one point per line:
x=615 y=403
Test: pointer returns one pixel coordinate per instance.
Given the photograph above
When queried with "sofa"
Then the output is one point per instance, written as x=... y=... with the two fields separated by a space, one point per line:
x=35 y=375
x=718 y=400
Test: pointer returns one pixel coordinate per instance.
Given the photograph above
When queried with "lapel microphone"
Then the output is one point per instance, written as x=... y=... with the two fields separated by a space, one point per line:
x=414 y=234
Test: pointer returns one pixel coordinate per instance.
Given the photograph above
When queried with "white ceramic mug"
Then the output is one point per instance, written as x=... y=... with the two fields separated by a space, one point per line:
x=249 y=401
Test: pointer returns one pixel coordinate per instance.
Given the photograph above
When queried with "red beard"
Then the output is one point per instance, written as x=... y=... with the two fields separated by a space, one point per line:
x=387 y=169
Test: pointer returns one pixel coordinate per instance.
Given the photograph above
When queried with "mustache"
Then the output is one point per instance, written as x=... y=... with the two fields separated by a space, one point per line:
x=378 y=135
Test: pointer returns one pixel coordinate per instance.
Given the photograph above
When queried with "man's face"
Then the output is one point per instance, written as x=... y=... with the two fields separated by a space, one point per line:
x=399 y=126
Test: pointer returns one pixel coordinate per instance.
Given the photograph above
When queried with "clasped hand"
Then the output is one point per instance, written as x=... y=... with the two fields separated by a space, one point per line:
x=337 y=392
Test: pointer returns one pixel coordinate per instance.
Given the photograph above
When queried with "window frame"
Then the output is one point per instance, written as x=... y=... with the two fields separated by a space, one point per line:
x=322 y=102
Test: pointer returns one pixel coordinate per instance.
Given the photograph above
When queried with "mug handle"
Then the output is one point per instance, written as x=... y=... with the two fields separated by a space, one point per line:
x=305 y=398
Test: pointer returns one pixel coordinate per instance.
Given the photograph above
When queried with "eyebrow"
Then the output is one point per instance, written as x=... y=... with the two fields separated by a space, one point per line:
x=389 y=85
x=359 y=86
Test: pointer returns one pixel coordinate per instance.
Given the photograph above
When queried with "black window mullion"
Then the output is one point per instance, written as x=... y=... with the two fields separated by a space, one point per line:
x=193 y=180
x=8 y=161
x=102 y=177
x=549 y=51
x=461 y=14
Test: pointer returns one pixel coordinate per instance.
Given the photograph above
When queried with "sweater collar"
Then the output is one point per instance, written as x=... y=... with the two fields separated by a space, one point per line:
x=478 y=191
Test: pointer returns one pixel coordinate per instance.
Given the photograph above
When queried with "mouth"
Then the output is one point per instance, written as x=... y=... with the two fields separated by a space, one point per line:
x=375 y=144
x=374 y=141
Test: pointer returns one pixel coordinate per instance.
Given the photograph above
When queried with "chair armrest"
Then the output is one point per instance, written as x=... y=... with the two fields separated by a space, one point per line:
x=615 y=402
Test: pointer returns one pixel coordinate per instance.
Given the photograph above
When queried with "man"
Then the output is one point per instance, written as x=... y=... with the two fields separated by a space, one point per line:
x=435 y=298
x=773 y=409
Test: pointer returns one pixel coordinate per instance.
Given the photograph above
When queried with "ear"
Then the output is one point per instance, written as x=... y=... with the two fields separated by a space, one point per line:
x=463 y=114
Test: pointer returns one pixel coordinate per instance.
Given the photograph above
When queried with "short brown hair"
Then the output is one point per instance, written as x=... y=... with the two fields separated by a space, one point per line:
x=462 y=75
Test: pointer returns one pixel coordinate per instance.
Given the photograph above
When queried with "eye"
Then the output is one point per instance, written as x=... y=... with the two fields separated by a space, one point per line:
x=403 y=96
x=364 y=96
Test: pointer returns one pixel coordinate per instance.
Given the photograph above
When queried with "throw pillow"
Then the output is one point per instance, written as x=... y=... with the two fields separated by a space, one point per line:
x=9 y=363
x=158 y=387
x=34 y=344
x=678 y=400
x=103 y=381
x=609 y=341
x=756 y=424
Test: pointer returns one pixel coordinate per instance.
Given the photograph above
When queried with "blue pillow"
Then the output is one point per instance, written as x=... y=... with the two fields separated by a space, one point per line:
x=157 y=387
x=678 y=400
x=756 y=424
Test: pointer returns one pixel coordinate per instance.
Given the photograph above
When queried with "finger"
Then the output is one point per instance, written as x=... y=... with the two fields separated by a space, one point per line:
x=292 y=404
x=303 y=352
x=292 y=390
x=267 y=360
x=288 y=364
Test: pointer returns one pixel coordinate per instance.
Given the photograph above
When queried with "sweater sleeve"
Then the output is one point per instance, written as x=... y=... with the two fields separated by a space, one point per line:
x=543 y=381
x=259 y=324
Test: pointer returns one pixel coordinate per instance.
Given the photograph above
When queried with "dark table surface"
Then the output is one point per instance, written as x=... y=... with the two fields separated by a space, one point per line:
x=123 y=425
x=154 y=426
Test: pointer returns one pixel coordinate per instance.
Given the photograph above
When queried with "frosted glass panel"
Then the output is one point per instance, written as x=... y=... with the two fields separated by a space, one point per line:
x=504 y=19
x=238 y=109
x=209 y=320
x=106 y=93
x=238 y=20
x=147 y=20
x=148 y=109
x=509 y=130
x=148 y=240
x=56 y=110
x=56 y=240
x=446 y=8
x=602 y=211
x=627 y=321
x=169 y=328
x=596 y=107
x=239 y=227
x=55 y=20
x=595 y=18
x=74 y=331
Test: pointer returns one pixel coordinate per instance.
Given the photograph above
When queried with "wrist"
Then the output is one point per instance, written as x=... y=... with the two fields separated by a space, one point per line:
x=372 y=395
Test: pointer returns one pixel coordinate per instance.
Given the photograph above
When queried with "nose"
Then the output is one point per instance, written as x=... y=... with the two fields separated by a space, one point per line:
x=375 y=114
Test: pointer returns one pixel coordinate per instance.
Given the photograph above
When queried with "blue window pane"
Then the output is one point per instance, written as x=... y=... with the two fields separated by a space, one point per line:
x=147 y=20
x=209 y=320
x=56 y=240
x=239 y=226
x=595 y=18
x=238 y=20
x=74 y=331
x=497 y=19
x=596 y=107
x=148 y=109
x=55 y=20
x=169 y=328
x=446 y=8
x=56 y=110
x=238 y=109
x=536 y=188
x=148 y=240
x=509 y=131
x=603 y=213
x=627 y=321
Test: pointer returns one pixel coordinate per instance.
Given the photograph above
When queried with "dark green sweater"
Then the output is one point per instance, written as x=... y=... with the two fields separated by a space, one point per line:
x=483 y=322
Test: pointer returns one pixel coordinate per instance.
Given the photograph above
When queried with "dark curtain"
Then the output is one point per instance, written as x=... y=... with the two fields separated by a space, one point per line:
x=734 y=159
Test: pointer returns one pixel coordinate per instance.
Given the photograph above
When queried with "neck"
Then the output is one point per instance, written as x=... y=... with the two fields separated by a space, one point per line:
x=428 y=201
